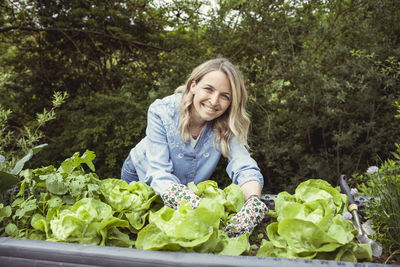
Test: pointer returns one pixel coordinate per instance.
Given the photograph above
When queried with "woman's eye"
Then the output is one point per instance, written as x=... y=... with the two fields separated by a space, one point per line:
x=225 y=97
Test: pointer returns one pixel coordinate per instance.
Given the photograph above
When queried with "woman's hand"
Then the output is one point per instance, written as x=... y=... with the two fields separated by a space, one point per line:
x=176 y=193
x=248 y=217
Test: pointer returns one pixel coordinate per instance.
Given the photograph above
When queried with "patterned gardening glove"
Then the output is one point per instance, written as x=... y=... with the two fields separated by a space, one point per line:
x=251 y=214
x=176 y=192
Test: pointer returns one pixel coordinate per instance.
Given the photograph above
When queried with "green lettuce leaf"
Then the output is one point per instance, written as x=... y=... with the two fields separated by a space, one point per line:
x=88 y=221
x=234 y=246
x=234 y=199
x=196 y=230
x=310 y=224
x=314 y=189
x=116 y=238
x=39 y=222
x=132 y=201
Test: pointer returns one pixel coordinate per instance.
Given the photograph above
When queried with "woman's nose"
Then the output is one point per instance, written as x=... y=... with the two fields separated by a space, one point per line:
x=214 y=99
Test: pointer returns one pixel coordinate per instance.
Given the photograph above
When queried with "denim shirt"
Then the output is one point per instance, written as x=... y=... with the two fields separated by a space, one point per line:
x=163 y=157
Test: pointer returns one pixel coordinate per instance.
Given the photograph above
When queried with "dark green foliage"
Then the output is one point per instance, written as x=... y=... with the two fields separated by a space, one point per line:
x=384 y=183
x=320 y=76
x=110 y=124
x=385 y=210
x=319 y=111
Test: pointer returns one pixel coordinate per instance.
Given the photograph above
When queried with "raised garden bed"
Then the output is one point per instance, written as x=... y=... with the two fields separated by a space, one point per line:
x=24 y=252
x=101 y=211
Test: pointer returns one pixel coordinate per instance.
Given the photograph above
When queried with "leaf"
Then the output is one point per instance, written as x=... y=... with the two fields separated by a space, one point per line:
x=37 y=148
x=11 y=230
x=133 y=200
x=55 y=183
x=310 y=224
x=116 y=238
x=268 y=249
x=20 y=164
x=77 y=185
x=236 y=246
x=39 y=222
x=184 y=228
x=87 y=158
x=150 y=237
x=209 y=189
x=25 y=208
x=54 y=202
x=137 y=219
x=7 y=181
x=234 y=198
x=81 y=222
x=44 y=170
x=314 y=189
x=5 y=212
x=110 y=223
x=66 y=225
x=69 y=165
x=196 y=230
x=116 y=194
x=304 y=236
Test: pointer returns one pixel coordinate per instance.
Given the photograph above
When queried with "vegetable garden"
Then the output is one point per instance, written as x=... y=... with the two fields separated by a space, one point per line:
x=71 y=204
x=323 y=84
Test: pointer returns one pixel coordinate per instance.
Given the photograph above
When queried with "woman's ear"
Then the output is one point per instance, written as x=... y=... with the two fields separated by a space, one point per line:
x=192 y=87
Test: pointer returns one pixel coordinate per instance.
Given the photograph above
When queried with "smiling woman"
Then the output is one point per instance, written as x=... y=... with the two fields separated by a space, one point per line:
x=211 y=98
x=187 y=133
x=223 y=76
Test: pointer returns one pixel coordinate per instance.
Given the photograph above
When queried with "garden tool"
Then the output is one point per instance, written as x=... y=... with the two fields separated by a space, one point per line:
x=362 y=236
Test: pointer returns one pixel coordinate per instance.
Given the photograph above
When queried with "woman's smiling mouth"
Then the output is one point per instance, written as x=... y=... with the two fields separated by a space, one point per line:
x=209 y=109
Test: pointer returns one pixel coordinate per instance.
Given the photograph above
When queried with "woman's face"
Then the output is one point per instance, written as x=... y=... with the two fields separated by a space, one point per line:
x=212 y=97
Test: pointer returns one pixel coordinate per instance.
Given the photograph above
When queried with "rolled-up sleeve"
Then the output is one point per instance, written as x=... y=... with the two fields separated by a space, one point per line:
x=159 y=174
x=242 y=168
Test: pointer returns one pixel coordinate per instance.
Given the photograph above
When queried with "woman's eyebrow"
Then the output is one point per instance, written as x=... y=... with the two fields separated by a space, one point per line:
x=209 y=85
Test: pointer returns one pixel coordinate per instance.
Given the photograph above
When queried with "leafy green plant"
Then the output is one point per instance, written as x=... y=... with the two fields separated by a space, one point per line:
x=13 y=145
x=71 y=204
x=132 y=202
x=385 y=210
x=200 y=229
x=88 y=221
x=9 y=179
x=384 y=183
x=48 y=187
x=310 y=224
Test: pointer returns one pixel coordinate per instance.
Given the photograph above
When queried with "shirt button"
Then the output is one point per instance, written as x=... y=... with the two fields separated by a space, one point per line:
x=193 y=173
x=180 y=155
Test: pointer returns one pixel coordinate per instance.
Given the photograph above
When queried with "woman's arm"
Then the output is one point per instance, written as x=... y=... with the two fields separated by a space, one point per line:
x=251 y=188
x=160 y=168
x=243 y=170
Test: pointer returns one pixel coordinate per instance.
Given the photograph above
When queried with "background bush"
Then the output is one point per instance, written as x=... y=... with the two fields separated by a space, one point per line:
x=320 y=76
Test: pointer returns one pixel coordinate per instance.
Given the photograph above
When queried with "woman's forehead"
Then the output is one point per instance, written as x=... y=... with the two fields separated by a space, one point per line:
x=217 y=80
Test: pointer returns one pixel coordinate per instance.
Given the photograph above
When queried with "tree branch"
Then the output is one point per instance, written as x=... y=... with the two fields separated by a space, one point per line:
x=63 y=30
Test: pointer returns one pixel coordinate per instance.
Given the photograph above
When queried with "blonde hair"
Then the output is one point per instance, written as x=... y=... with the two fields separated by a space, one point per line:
x=235 y=121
